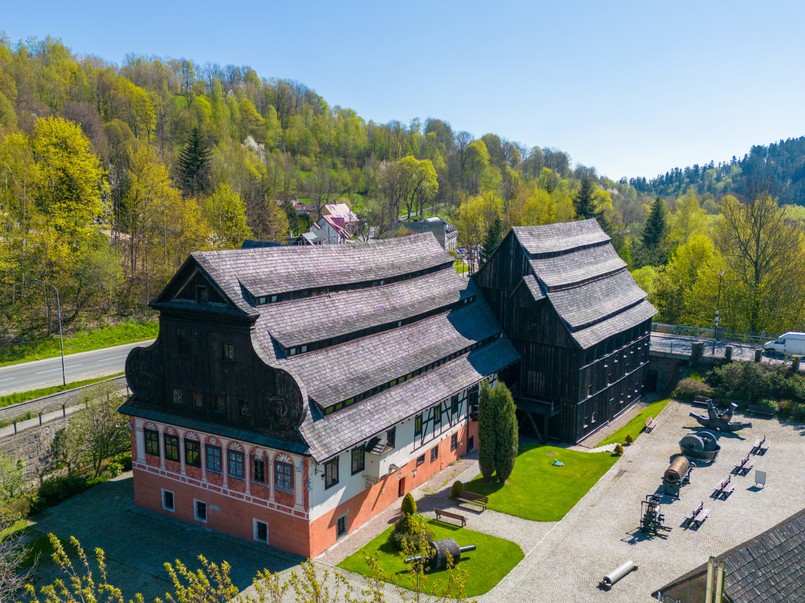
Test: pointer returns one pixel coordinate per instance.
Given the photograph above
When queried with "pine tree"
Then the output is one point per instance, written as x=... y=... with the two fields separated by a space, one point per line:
x=193 y=165
x=583 y=202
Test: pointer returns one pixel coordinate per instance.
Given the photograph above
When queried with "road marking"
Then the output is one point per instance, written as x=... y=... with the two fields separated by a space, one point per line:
x=116 y=357
x=50 y=371
x=7 y=379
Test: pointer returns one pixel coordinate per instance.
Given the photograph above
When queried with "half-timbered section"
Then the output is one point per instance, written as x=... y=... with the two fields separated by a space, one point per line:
x=295 y=392
x=577 y=319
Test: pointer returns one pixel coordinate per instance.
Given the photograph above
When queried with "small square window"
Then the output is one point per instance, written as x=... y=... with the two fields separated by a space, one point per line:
x=261 y=531
x=420 y=460
x=200 y=510
x=341 y=526
x=198 y=399
x=177 y=396
x=454 y=441
x=434 y=453
x=220 y=403
x=167 y=500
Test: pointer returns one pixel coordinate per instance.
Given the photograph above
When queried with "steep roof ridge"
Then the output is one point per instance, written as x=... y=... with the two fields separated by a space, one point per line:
x=561 y=236
x=581 y=283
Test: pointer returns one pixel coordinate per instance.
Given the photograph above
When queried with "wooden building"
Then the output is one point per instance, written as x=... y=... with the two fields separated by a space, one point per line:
x=578 y=320
x=295 y=392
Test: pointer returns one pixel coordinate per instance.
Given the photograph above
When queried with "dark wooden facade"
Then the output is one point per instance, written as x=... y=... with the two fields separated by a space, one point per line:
x=578 y=321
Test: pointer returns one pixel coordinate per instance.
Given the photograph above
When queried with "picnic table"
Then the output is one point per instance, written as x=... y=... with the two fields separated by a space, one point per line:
x=760 y=446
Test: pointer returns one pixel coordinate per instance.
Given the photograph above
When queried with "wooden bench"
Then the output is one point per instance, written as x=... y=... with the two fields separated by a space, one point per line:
x=698 y=520
x=460 y=518
x=760 y=446
x=721 y=487
x=651 y=423
x=760 y=410
x=693 y=513
x=473 y=499
x=743 y=466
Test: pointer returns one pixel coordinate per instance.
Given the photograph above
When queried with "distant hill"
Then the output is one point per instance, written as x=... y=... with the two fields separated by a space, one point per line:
x=778 y=168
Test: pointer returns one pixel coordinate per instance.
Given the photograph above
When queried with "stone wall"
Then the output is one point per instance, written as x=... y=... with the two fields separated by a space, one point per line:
x=32 y=446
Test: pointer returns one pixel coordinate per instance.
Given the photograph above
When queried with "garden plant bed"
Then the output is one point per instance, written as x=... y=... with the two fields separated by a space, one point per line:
x=540 y=491
x=485 y=566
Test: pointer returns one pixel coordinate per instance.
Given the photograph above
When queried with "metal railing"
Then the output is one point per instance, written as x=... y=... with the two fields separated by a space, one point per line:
x=706 y=333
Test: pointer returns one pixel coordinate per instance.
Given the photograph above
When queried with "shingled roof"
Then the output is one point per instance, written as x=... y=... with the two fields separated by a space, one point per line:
x=391 y=312
x=768 y=567
x=584 y=279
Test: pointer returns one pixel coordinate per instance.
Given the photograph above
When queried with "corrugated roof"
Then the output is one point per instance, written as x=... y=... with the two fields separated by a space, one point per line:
x=552 y=238
x=360 y=422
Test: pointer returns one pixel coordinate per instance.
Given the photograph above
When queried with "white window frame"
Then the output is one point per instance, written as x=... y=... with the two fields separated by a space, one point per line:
x=165 y=507
x=255 y=524
x=196 y=503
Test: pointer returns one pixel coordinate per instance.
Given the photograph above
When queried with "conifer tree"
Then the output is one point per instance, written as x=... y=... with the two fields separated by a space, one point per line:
x=493 y=235
x=193 y=165
x=583 y=202
x=506 y=427
x=487 y=431
x=656 y=228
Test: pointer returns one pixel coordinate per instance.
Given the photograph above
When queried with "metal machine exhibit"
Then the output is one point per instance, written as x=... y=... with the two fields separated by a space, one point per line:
x=720 y=420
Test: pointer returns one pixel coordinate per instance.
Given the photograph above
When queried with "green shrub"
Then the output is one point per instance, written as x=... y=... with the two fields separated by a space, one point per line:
x=113 y=469
x=618 y=450
x=629 y=439
x=408 y=506
x=123 y=459
x=409 y=531
x=455 y=490
x=690 y=388
x=58 y=489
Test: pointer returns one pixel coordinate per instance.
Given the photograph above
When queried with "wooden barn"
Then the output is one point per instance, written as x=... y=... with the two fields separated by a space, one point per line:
x=579 y=322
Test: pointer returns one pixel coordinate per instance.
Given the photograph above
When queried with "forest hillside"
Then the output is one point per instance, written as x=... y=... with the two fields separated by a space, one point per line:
x=110 y=175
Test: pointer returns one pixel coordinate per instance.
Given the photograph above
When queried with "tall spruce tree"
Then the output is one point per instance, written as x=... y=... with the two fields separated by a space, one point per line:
x=193 y=165
x=494 y=232
x=656 y=228
x=583 y=202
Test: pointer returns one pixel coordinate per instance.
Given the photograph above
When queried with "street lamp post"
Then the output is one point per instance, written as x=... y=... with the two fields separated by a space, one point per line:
x=61 y=335
x=717 y=317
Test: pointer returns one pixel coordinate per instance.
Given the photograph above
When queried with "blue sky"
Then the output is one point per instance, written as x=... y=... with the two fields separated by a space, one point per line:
x=632 y=88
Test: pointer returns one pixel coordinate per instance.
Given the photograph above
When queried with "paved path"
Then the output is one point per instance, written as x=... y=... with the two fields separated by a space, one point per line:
x=77 y=367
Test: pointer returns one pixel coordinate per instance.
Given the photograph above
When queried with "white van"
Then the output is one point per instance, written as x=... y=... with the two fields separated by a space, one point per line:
x=790 y=343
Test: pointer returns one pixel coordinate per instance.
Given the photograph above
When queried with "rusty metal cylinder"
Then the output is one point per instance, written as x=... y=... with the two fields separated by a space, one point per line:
x=677 y=470
x=439 y=551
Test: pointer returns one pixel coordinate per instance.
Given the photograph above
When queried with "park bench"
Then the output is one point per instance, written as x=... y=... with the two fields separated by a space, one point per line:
x=693 y=513
x=724 y=488
x=760 y=410
x=698 y=520
x=449 y=515
x=760 y=446
x=473 y=499
x=651 y=423
x=743 y=466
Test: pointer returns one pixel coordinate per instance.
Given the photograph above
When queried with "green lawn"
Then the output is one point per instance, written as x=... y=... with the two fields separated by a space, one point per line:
x=33 y=394
x=636 y=426
x=540 y=491
x=127 y=332
x=485 y=566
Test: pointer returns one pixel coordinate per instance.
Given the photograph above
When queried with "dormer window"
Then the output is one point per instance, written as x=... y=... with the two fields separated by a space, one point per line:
x=261 y=300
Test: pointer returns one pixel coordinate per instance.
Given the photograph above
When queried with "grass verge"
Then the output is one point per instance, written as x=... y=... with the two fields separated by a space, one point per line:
x=485 y=566
x=540 y=491
x=637 y=425
x=18 y=397
x=127 y=332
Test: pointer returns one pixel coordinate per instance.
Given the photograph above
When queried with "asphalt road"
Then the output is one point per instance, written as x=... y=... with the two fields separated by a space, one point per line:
x=44 y=373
